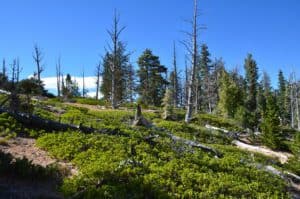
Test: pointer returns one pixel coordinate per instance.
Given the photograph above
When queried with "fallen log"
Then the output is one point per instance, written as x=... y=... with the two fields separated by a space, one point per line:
x=283 y=157
x=233 y=135
x=50 y=125
x=195 y=144
x=290 y=178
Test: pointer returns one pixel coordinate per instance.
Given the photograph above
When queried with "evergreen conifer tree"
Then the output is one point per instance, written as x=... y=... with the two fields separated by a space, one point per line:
x=251 y=92
x=270 y=126
x=152 y=82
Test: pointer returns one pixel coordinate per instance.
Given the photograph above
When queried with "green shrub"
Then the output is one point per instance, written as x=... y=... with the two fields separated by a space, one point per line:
x=203 y=119
x=119 y=167
x=90 y=101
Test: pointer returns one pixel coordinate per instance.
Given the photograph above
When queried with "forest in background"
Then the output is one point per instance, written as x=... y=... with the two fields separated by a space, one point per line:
x=183 y=139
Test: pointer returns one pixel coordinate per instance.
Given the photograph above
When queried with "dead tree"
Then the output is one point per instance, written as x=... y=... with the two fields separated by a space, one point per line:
x=192 y=48
x=294 y=101
x=14 y=95
x=63 y=86
x=38 y=58
x=114 y=63
x=292 y=104
x=4 y=68
x=83 y=84
x=18 y=70
x=297 y=101
x=175 y=80
x=186 y=83
x=98 y=73
x=58 y=77
x=139 y=120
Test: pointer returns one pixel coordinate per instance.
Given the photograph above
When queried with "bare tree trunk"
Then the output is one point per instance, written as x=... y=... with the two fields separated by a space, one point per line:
x=58 y=77
x=14 y=97
x=18 y=71
x=38 y=57
x=189 y=110
x=186 y=83
x=62 y=85
x=197 y=96
x=83 y=83
x=297 y=106
x=114 y=34
x=292 y=105
x=98 y=73
x=295 y=100
x=3 y=68
x=175 y=86
x=113 y=92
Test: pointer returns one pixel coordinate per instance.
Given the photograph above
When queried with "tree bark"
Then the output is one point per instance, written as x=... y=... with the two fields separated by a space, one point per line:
x=191 y=84
x=58 y=77
x=38 y=57
x=98 y=73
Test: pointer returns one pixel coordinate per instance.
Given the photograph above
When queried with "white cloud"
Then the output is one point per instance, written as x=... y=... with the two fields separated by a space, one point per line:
x=93 y=94
x=90 y=84
x=50 y=82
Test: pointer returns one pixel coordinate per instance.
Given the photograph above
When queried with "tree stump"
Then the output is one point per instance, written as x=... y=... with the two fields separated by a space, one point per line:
x=139 y=120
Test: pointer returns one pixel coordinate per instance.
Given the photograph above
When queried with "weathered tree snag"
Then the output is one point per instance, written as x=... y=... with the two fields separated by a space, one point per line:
x=139 y=120
x=194 y=55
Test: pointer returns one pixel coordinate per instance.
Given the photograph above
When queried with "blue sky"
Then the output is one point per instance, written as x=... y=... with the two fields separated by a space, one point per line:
x=76 y=31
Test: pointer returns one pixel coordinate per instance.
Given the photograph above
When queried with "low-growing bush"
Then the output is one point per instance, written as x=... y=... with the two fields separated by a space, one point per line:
x=121 y=167
x=203 y=119
x=90 y=101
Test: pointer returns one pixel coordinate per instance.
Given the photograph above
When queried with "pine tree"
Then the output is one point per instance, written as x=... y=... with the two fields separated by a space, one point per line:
x=205 y=86
x=70 y=88
x=130 y=84
x=123 y=74
x=3 y=76
x=230 y=95
x=282 y=96
x=105 y=87
x=251 y=91
x=270 y=126
x=152 y=83
x=264 y=89
x=218 y=67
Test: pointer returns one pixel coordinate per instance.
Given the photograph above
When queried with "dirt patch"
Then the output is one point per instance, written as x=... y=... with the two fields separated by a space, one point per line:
x=14 y=186
x=25 y=147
